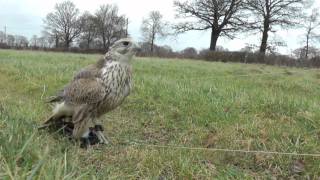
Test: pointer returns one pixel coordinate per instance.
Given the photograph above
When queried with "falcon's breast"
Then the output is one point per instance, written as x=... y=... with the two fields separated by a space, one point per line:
x=116 y=78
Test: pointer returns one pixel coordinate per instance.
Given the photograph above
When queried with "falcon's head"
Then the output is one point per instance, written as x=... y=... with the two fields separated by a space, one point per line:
x=124 y=49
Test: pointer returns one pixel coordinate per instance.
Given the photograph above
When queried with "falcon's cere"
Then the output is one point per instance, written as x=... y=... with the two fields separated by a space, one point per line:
x=94 y=91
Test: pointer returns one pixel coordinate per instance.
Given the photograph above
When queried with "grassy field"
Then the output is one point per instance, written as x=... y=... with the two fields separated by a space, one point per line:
x=175 y=103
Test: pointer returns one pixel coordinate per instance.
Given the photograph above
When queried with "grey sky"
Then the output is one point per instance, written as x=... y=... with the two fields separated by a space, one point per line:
x=25 y=17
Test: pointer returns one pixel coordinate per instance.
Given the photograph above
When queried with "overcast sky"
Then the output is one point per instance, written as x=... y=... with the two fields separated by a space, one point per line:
x=25 y=17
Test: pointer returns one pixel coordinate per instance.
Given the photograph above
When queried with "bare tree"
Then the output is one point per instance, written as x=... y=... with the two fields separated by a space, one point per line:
x=10 y=40
x=153 y=27
x=64 y=22
x=222 y=17
x=271 y=13
x=52 y=38
x=42 y=42
x=89 y=29
x=2 y=37
x=110 y=26
x=34 y=41
x=21 y=41
x=300 y=53
x=310 y=25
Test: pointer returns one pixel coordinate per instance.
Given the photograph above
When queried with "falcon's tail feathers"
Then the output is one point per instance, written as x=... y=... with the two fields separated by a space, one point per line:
x=52 y=121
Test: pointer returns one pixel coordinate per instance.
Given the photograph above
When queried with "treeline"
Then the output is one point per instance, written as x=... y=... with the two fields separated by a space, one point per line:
x=245 y=55
x=66 y=29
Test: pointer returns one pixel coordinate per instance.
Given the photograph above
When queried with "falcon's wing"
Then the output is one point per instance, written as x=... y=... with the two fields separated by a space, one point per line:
x=84 y=91
x=87 y=72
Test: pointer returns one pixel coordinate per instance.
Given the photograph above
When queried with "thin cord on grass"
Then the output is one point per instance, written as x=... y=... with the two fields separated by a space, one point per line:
x=227 y=150
x=241 y=75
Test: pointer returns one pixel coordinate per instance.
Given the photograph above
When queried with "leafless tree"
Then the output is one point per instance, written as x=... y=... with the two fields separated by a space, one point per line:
x=153 y=27
x=311 y=25
x=21 y=41
x=64 y=22
x=42 y=42
x=34 y=41
x=39 y=42
x=89 y=29
x=2 y=37
x=221 y=17
x=10 y=40
x=300 y=53
x=52 y=38
x=110 y=25
x=271 y=13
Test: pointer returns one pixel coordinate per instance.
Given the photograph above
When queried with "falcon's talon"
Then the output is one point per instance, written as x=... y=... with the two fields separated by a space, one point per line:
x=101 y=137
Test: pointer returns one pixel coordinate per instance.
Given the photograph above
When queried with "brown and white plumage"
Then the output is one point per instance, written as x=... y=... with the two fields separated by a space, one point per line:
x=96 y=90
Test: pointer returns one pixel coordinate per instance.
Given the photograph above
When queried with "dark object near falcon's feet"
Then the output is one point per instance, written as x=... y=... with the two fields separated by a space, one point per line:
x=64 y=127
x=92 y=139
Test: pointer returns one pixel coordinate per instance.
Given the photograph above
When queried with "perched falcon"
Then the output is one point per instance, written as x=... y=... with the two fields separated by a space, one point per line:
x=94 y=91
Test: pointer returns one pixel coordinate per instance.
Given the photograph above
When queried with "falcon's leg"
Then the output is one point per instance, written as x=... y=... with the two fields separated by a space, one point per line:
x=82 y=122
x=98 y=131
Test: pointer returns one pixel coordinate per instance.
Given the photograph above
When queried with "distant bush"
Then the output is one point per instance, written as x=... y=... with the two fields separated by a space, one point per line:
x=158 y=51
x=4 y=46
x=222 y=56
x=189 y=53
x=249 y=57
x=313 y=62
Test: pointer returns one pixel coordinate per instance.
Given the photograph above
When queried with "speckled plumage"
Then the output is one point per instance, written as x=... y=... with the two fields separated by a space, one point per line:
x=96 y=89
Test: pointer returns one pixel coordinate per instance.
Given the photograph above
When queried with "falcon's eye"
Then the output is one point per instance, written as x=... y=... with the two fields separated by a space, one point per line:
x=126 y=43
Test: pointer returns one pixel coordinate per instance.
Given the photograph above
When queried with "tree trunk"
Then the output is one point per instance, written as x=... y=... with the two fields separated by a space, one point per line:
x=108 y=44
x=214 y=38
x=88 y=43
x=264 y=41
x=88 y=40
x=67 y=41
x=104 y=42
x=67 y=44
x=152 y=43
x=307 y=45
x=57 y=41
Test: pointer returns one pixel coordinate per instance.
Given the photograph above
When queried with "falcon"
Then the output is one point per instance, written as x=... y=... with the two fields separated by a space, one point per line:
x=94 y=91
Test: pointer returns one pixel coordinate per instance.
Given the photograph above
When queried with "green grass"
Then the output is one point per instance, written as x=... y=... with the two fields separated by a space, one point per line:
x=175 y=103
